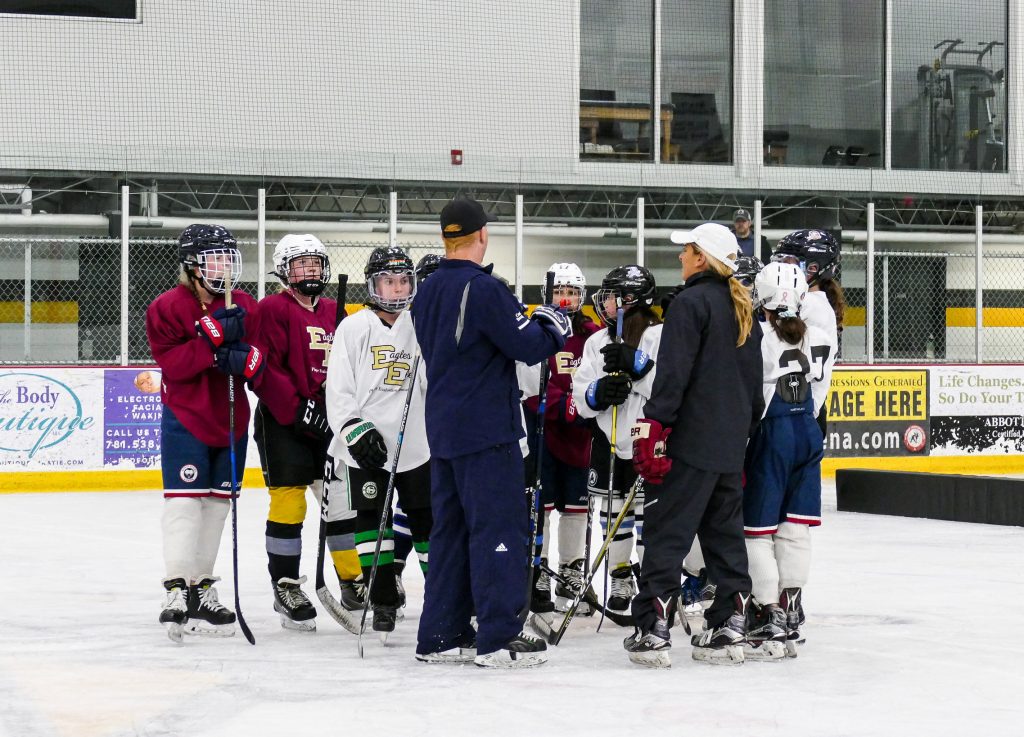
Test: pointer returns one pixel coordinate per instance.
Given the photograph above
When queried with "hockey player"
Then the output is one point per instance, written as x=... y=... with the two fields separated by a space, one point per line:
x=566 y=455
x=197 y=342
x=782 y=497
x=816 y=252
x=367 y=386
x=472 y=330
x=619 y=374
x=689 y=446
x=297 y=326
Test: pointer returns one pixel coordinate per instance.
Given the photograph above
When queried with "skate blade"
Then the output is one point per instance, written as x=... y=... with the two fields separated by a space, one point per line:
x=771 y=651
x=728 y=655
x=449 y=657
x=175 y=632
x=204 y=629
x=307 y=625
x=583 y=610
x=383 y=637
x=791 y=648
x=652 y=659
x=522 y=660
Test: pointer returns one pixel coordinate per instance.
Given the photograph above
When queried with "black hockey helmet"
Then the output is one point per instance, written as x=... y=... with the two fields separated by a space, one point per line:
x=211 y=248
x=390 y=261
x=747 y=269
x=816 y=251
x=427 y=266
x=633 y=284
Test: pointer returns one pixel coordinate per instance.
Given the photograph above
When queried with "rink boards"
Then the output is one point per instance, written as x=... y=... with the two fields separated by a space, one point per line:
x=98 y=428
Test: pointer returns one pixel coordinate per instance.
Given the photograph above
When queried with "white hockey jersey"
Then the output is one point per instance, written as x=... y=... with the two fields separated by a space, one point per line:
x=814 y=357
x=591 y=369
x=368 y=378
x=817 y=312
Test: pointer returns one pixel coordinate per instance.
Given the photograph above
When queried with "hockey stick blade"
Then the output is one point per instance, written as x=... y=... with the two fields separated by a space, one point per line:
x=338 y=613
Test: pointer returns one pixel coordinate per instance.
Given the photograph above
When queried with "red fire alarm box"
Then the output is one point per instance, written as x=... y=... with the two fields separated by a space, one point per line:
x=456 y=157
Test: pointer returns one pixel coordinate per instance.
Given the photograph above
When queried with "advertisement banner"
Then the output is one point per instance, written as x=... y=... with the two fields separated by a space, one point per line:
x=878 y=413
x=82 y=419
x=977 y=410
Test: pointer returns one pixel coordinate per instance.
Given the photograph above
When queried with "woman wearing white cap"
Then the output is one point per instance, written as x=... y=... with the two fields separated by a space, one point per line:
x=689 y=445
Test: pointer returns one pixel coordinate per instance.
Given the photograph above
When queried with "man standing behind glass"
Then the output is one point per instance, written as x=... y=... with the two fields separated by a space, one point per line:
x=741 y=228
x=471 y=331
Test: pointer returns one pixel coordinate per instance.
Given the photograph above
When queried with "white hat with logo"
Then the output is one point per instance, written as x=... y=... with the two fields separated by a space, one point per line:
x=715 y=240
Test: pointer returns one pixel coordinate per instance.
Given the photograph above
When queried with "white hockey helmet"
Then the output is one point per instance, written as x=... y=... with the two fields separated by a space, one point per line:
x=314 y=275
x=780 y=287
x=567 y=275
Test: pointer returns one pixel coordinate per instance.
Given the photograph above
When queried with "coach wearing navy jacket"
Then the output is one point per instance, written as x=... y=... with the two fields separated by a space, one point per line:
x=471 y=331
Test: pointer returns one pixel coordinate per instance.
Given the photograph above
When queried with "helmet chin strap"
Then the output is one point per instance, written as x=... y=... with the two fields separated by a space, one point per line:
x=309 y=287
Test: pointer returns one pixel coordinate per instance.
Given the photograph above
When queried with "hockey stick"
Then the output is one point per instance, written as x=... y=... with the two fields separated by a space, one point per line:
x=533 y=494
x=571 y=612
x=619 y=312
x=387 y=501
x=339 y=613
x=622 y=620
x=234 y=474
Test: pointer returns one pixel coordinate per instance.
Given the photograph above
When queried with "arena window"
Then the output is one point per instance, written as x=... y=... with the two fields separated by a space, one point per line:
x=109 y=9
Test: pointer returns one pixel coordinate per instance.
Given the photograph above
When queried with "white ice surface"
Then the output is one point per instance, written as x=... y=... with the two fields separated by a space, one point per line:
x=914 y=629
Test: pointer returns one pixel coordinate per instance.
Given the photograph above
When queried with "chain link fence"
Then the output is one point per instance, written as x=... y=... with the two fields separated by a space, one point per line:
x=60 y=298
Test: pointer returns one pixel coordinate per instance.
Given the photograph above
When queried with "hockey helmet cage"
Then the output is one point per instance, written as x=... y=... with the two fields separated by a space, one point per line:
x=312 y=275
x=389 y=261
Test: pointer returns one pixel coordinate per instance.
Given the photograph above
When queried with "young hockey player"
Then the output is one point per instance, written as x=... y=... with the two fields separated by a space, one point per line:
x=689 y=446
x=472 y=331
x=566 y=455
x=782 y=497
x=197 y=342
x=367 y=386
x=297 y=326
x=618 y=374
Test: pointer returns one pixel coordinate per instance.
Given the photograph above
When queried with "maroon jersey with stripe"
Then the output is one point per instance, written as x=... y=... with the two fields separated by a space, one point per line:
x=298 y=343
x=193 y=387
x=566 y=440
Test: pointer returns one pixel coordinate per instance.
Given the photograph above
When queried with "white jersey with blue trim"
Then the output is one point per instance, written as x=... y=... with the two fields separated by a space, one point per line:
x=817 y=312
x=813 y=357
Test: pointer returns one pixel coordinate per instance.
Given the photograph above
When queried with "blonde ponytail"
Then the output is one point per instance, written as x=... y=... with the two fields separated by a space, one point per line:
x=741 y=303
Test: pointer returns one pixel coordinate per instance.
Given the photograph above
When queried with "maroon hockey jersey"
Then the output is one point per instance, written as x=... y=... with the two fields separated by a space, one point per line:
x=193 y=387
x=297 y=344
x=566 y=440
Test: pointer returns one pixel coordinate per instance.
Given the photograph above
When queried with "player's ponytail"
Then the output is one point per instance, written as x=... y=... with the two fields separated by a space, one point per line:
x=790 y=329
x=836 y=298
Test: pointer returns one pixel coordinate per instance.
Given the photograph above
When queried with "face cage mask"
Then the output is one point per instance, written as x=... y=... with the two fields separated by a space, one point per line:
x=396 y=304
x=307 y=284
x=601 y=296
x=212 y=265
x=578 y=290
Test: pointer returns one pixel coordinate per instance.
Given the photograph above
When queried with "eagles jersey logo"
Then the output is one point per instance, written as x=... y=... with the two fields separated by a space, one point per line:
x=394 y=362
x=566 y=362
x=320 y=340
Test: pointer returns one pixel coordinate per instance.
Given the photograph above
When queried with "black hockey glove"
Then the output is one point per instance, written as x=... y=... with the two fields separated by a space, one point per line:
x=608 y=390
x=553 y=317
x=240 y=359
x=365 y=444
x=311 y=419
x=223 y=326
x=622 y=358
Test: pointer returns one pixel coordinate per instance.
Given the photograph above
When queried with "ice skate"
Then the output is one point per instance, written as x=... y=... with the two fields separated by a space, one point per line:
x=175 y=612
x=723 y=644
x=522 y=651
x=353 y=595
x=622 y=590
x=571 y=575
x=541 y=609
x=766 y=633
x=464 y=652
x=297 y=612
x=384 y=618
x=690 y=611
x=651 y=648
x=792 y=603
x=206 y=615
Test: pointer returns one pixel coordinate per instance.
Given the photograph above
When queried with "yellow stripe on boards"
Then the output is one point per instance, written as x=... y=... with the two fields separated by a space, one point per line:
x=992 y=317
x=63 y=481
x=42 y=312
x=966 y=465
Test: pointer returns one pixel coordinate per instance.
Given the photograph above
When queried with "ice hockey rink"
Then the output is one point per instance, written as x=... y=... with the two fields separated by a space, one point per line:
x=911 y=630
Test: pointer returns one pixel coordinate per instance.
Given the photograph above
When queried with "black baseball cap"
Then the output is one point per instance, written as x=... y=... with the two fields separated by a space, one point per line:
x=462 y=216
x=741 y=214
